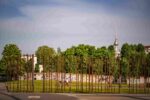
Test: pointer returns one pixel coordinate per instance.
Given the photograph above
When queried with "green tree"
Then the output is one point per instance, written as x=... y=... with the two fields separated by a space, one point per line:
x=111 y=51
x=37 y=68
x=69 y=52
x=148 y=64
x=125 y=50
x=140 y=48
x=44 y=56
x=82 y=52
x=11 y=50
x=101 y=52
x=2 y=66
x=133 y=60
x=11 y=56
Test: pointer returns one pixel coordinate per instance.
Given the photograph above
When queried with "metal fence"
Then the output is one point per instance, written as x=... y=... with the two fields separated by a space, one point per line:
x=74 y=74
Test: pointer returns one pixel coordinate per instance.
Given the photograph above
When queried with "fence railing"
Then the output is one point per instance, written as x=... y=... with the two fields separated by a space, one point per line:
x=76 y=75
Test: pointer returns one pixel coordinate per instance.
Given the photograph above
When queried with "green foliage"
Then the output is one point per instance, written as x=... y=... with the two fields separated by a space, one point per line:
x=37 y=69
x=124 y=65
x=44 y=54
x=101 y=52
x=140 y=48
x=116 y=72
x=82 y=59
x=22 y=67
x=11 y=50
x=133 y=60
x=11 y=56
x=90 y=51
x=125 y=50
x=111 y=50
x=2 y=66
x=89 y=59
x=70 y=64
x=80 y=50
x=148 y=63
x=69 y=51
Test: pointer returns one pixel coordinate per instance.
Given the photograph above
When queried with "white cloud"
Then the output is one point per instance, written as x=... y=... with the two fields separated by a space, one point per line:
x=63 y=26
x=60 y=20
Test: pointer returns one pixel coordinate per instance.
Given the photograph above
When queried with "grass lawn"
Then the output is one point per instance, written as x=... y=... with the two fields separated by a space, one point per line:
x=52 y=86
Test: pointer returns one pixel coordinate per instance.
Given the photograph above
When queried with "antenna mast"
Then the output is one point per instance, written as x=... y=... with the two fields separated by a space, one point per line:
x=116 y=43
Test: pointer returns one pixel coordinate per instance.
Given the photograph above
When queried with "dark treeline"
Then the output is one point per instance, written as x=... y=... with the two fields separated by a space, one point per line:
x=81 y=58
x=133 y=61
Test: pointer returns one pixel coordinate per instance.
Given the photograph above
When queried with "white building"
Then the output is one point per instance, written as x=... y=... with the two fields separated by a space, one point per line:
x=138 y=81
x=34 y=59
x=30 y=57
x=40 y=68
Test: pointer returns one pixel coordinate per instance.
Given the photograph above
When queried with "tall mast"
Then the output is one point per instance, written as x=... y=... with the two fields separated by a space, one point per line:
x=116 y=44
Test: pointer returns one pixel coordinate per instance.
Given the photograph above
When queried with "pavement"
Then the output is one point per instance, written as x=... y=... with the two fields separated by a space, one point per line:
x=4 y=95
x=100 y=96
x=40 y=96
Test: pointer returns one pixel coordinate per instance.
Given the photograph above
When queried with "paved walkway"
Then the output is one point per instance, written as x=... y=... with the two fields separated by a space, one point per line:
x=43 y=96
x=4 y=95
x=2 y=87
x=113 y=96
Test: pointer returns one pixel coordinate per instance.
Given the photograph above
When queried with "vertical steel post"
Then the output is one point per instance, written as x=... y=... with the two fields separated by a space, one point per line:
x=86 y=73
x=92 y=71
x=32 y=73
x=27 y=73
x=43 y=73
x=17 y=73
x=81 y=66
x=49 y=67
x=20 y=74
x=102 y=73
x=13 y=76
x=119 y=74
x=105 y=63
x=89 y=74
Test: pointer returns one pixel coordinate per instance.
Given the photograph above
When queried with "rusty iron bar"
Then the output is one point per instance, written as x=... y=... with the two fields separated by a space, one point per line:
x=88 y=75
x=32 y=73
x=43 y=73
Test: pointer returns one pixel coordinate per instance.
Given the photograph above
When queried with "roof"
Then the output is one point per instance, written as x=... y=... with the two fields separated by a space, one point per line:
x=148 y=46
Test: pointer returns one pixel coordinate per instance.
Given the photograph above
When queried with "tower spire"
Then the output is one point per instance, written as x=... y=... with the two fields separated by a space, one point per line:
x=116 y=44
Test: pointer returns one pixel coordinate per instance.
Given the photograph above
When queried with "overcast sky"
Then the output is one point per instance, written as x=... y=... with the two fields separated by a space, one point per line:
x=64 y=23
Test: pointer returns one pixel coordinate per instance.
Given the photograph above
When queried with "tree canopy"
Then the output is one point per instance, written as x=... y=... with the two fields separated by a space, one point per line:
x=133 y=59
x=91 y=51
x=85 y=58
x=44 y=52
x=10 y=56
x=11 y=50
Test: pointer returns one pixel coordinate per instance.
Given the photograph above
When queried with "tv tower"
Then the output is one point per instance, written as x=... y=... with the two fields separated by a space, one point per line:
x=116 y=44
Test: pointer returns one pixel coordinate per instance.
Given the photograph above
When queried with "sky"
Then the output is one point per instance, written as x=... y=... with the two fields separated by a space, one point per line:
x=65 y=23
